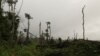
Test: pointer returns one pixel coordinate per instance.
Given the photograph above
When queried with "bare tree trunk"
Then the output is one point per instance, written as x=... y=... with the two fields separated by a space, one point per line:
x=83 y=22
x=0 y=7
x=28 y=29
x=40 y=29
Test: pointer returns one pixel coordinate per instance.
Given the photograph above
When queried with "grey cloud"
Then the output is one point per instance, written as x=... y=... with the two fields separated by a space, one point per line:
x=65 y=16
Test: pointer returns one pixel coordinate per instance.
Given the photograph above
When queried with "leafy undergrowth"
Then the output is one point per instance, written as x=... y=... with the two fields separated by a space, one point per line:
x=75 y=48
x=72 y=48
x=18 y=50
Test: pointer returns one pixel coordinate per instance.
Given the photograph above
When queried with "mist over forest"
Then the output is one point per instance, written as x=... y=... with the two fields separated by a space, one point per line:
x=49 y=28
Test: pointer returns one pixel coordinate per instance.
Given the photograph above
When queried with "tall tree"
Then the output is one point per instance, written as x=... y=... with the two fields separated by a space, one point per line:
x=8 y=21
x=83 y=22
x=28 y=17
x=48 y=30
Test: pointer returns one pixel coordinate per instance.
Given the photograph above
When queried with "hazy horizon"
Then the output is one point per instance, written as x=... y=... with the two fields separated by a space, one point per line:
x=65 y=17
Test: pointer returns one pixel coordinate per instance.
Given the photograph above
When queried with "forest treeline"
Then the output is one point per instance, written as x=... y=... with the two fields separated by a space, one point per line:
x=15 y=43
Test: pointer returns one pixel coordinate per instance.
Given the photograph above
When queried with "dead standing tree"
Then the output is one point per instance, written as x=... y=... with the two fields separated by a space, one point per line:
x=48 y=31
x=83 y=24
x=40 y=29
x=41 y=36
x=28 y=17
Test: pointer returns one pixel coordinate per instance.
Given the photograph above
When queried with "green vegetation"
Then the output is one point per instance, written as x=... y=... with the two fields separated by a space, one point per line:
x=13 y=45
x=67 y=48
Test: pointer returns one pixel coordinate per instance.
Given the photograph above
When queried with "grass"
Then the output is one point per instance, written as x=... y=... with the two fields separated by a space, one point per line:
x=73 y=48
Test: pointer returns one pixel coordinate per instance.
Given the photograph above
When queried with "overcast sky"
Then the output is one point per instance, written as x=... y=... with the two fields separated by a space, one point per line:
x=65 y=16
